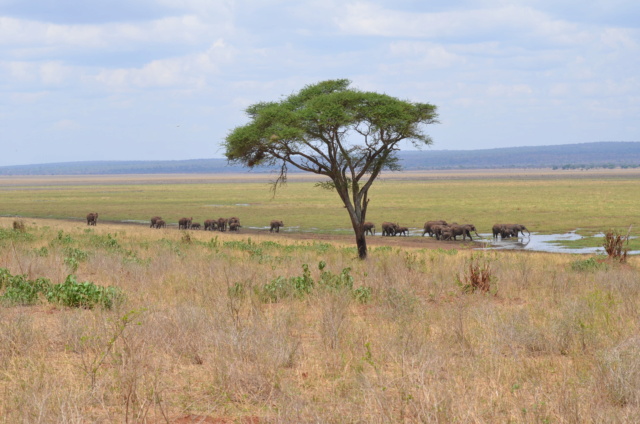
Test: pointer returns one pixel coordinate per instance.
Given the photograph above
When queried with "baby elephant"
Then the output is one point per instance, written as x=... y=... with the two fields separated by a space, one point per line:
x=195 y=226
x=154 y=221
x=275 y=225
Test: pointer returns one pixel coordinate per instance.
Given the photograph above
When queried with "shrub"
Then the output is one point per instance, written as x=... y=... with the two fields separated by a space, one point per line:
x=19 y=290
x=300 y=286
x=478 y=276
x=84 y=295
x=18 y=225
x=614 y=245
x=362 y=294
x=591 y=264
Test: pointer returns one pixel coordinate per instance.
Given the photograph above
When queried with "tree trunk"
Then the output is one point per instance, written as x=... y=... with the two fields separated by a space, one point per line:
x=361 y=241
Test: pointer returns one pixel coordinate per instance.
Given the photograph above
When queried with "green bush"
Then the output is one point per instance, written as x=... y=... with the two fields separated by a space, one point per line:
x=18 y=290
x=83 y=295
x=14 y=235
x=591 y=264
x=362 y=294
x=281 y=287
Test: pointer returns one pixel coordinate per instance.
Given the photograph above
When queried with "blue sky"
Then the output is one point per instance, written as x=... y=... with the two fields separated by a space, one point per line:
x=168 y=79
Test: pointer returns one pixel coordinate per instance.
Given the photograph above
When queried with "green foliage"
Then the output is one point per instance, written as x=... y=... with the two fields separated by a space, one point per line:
x=18 y=290
x=106 y=242
x=591 y=264
x=62 y=238
x=42 y=252
x=280 y=287
x=362 y=294
x=83 y=295
x=15 y=235
x=73 y=257
x=300 y=286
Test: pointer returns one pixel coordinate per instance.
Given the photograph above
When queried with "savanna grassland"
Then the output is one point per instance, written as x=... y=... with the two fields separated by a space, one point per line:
x=545 y=201
x=217 y=327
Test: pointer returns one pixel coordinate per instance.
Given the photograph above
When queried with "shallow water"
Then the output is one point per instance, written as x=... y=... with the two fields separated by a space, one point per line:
x=543 y=243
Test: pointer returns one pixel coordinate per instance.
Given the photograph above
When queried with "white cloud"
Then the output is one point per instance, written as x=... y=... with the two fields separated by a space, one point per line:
x=367 y=19
x=185 y=72
x=187 y=29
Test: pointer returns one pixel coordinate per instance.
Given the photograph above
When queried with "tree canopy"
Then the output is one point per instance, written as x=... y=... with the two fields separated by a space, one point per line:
x=347 y=135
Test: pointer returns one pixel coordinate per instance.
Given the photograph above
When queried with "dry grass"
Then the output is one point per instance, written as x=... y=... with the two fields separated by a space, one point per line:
x=548 y=344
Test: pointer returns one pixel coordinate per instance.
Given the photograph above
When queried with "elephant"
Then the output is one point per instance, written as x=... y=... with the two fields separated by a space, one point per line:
x=275 y=225
x=508 y=230
x=154 y=219
x=222 y=224
x=184 y=223
x=445 y=234
x=92 y=218
x=195 y=226
x=369 y=227
x=234 y=226
x=429 y=225
x=160 y=224
x=389 y=229
x=233 y=219
x=438 y=229
x=210 y=224
x=403 y=231
x=464 y=231
x=518 y=228
x=497 y=230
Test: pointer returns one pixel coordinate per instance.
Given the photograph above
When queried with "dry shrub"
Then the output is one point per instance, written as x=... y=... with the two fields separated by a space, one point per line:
x=18 y=225
x=478 y=275
x=614 y=243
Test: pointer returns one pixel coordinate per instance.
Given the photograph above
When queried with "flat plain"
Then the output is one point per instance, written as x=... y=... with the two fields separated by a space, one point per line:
x=269 y=328
x=545 y=201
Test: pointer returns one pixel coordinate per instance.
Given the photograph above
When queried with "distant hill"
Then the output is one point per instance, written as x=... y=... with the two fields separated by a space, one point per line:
x=600 y=154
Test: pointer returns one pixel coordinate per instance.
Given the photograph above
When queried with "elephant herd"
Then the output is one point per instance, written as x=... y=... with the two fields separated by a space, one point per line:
x=440 y=229
x=445 y=231
x=220 y=224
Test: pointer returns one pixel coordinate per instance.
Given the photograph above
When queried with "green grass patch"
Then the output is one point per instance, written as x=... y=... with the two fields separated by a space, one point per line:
x=594 y=241
x=545 y=205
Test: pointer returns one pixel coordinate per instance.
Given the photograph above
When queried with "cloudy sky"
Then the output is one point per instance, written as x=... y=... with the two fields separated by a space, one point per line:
x=168 y=79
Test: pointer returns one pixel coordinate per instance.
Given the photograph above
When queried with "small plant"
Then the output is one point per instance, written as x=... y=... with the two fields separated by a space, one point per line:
x=63 y=238
x=614 y=243
x=362 y=294
x=42 y=252
x=73 y=257
x=478 y=275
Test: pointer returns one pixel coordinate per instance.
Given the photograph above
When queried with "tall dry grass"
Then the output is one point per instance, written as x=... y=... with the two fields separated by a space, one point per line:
x=550 y=342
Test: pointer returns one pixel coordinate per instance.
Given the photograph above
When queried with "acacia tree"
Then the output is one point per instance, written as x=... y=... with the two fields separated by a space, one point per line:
x=330 y=129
